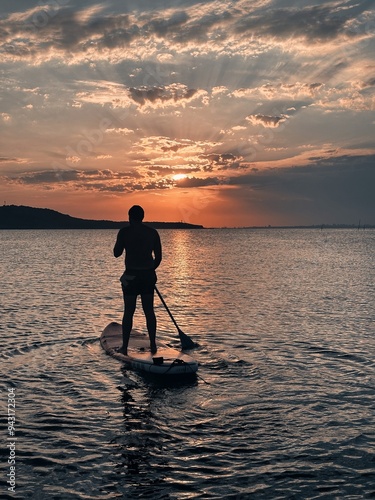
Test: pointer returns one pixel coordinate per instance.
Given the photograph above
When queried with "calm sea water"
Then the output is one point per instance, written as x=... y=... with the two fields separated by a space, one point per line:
x=284 y=404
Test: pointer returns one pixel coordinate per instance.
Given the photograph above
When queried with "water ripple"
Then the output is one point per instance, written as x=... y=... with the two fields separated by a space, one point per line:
x=283 y=405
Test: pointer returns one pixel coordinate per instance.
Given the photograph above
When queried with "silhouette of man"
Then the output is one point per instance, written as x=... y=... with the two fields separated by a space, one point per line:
x=143 y=254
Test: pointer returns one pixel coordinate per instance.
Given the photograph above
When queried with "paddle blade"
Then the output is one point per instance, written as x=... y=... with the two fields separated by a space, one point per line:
x=186 y=342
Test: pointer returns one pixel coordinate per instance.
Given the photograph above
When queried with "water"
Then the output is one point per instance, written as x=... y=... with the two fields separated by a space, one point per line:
x=284 y=404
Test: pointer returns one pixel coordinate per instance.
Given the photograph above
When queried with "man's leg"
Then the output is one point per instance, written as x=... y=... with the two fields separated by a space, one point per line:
x=148 y=309
x=130 y=302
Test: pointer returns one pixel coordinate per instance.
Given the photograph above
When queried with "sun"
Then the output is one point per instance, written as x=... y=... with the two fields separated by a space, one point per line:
x=178 y=177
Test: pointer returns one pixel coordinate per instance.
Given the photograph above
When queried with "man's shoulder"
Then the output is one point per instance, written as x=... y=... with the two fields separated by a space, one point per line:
x=150 y=230
x=145 y=228
x=123 y=230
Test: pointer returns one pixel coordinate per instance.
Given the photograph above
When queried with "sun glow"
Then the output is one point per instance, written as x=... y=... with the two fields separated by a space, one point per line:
x=179 y=177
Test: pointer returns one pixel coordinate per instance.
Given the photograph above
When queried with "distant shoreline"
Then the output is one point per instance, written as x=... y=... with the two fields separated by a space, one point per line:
x=23 y=217
x=313 y=226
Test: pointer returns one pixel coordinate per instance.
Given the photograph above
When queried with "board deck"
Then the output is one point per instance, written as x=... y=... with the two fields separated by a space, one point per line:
x=166 y=361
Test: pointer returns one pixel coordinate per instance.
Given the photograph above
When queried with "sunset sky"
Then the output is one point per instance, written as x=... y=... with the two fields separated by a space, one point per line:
x=221 y=113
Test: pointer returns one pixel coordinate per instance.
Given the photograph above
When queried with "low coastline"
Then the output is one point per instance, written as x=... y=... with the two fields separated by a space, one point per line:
x=23 y=217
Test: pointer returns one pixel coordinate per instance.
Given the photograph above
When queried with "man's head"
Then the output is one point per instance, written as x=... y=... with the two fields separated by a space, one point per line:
x=136 y=214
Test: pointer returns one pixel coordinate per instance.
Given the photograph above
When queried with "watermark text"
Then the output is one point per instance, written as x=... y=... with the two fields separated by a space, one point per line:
x=11 y=440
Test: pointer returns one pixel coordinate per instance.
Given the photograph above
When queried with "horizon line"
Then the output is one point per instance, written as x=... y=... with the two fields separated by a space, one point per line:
x=341 y=225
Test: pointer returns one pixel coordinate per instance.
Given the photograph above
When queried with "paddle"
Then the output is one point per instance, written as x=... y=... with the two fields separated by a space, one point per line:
x=186 y=342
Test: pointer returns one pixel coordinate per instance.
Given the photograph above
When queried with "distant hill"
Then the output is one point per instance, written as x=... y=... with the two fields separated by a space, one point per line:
x=22 y=217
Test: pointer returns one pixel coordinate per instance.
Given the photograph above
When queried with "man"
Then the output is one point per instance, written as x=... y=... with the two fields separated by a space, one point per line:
x=143 y=255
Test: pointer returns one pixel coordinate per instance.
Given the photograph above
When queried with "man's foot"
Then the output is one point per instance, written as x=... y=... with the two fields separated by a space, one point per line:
x=123 y=351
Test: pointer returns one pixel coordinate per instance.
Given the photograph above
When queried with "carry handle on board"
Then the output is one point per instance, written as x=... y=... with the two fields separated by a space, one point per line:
x=186 y=341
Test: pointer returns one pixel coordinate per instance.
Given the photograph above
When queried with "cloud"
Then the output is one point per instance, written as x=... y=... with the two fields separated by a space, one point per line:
x=103 y=93
x=344 y=181
x=119 y=96
x=298 y=90
x=171 y=94
x=162 y=26
x=221 y=161
x=162 y=170
x=267 y=121
x=369 y=83
x=56 y=30
x=46 y=177
x=12 y=159
x=63 y=31
x=284 y=97
x=316 y=24
x=330 y=190
x=68 y=176
x=201 y=29
x=106 y=180
x=193 y=182
x=120 y=131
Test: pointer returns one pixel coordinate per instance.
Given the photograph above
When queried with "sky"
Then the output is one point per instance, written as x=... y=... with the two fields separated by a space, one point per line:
x=221 y=113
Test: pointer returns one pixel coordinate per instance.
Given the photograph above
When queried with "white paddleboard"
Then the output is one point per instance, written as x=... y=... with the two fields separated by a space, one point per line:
x=166 y=361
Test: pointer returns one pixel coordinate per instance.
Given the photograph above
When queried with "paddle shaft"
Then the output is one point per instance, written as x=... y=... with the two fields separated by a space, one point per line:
x=186 y=341
x=167 y=308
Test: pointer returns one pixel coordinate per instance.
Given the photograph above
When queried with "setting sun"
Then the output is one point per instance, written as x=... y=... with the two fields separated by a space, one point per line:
x=179 y=177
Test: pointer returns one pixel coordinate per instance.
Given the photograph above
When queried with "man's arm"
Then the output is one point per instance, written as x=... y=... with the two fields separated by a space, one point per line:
x=119 y=245
x=157 y=252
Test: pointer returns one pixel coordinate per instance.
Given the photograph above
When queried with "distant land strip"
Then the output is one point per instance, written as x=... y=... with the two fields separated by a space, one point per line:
x=22 y=217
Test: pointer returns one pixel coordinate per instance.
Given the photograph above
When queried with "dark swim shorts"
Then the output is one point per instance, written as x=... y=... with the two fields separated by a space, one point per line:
x=138 y=282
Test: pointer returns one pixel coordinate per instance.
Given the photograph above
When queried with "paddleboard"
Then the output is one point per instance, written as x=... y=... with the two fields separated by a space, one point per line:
x=166 y=361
